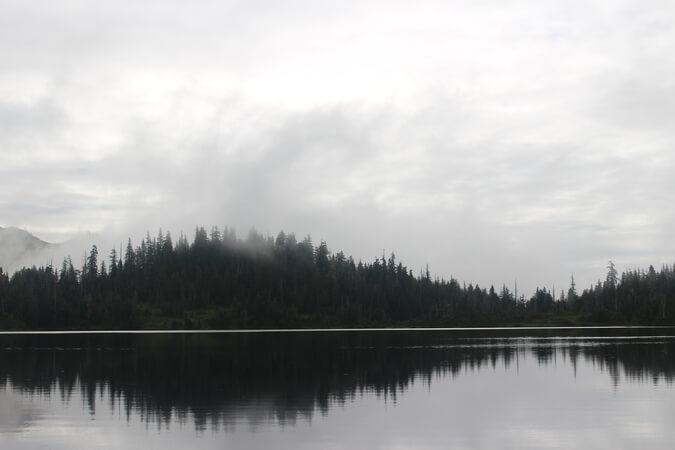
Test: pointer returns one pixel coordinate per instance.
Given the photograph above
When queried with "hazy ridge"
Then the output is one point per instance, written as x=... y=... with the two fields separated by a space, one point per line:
x=20 y=248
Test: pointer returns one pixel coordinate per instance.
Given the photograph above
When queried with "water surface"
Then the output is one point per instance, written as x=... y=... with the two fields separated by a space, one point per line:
x=465 y=389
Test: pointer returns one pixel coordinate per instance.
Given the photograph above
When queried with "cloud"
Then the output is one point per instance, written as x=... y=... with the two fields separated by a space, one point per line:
x=493 y=142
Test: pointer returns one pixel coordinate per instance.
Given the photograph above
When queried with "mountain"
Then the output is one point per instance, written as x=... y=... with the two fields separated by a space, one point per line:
x=19 y=247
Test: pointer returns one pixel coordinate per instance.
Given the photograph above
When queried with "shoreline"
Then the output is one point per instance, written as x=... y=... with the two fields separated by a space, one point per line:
x=333 y=330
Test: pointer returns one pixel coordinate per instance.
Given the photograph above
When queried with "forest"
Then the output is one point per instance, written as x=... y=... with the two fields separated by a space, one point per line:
x=220 y=281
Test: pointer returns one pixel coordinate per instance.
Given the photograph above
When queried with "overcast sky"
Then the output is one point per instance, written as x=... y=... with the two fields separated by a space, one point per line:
x=492 y=140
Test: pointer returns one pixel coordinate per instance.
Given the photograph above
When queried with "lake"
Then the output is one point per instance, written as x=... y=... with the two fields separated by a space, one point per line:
x=401 y=389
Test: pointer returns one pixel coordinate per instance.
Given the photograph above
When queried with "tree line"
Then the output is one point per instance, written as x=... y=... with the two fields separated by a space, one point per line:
x=221 y=281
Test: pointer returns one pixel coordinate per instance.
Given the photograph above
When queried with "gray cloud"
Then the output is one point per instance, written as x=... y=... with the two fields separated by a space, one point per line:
x=493 y=142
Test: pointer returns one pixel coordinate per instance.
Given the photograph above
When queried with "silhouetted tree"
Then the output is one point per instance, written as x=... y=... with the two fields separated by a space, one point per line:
x=220 y=281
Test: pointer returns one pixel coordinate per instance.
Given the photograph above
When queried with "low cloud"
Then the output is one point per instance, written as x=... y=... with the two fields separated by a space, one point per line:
x=529 y=146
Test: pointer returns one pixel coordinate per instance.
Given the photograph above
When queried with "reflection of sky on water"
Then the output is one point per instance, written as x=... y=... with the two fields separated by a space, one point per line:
x=525 y=394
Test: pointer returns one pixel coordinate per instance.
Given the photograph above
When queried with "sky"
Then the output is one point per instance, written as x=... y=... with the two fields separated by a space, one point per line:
x=495 y=141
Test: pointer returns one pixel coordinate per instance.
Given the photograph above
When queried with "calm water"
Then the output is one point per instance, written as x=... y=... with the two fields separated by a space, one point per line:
x=480 y=389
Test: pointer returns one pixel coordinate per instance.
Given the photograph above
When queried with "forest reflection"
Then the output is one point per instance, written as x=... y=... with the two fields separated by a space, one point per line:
x=216 y=378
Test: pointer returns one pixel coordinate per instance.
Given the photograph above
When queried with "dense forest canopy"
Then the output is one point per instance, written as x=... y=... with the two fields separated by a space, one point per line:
x=221 y=281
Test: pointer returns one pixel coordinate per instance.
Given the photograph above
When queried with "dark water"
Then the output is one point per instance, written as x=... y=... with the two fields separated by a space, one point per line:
x=483 y=389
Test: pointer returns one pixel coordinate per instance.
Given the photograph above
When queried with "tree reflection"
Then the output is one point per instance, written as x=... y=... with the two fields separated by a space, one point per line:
x=289 y=376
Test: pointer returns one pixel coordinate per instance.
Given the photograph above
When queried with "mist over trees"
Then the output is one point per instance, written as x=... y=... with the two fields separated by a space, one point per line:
x=221 y=281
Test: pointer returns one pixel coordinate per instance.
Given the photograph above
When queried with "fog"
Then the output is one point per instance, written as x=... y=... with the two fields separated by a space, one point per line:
x=494 y=142
x=19 y=249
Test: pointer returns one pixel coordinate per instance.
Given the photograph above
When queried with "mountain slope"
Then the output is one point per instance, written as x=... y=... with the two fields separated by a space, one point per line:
x=18 y=246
